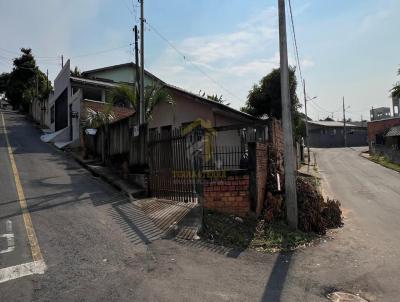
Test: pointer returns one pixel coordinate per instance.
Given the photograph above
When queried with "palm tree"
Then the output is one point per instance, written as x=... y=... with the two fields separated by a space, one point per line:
x=128 y=96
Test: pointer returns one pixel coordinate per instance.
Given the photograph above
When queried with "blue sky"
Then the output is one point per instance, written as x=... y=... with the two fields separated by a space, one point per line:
x=347 y=48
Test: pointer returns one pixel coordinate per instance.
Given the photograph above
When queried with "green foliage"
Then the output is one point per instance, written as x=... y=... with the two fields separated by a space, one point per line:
x=123 y=94
x=4 y=77
x=264 y=99
x=76 y=72
x=128 y=95
x=97 y=119
x=214 y=97
x=154 y=94
x=26 y=81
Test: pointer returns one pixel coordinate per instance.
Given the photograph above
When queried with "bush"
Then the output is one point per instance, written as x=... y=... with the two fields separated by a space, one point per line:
x=332 y=214
x=316 y=215
x=310 y=202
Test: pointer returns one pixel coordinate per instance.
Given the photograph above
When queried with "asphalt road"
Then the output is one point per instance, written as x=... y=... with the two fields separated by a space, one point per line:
x=97 y=246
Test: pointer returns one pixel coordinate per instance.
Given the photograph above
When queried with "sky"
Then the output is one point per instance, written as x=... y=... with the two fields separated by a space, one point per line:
x=347 y=48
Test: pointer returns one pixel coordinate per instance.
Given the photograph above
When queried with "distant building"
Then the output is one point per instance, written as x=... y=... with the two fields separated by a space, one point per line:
x=330 y=134
x=380 y=113
x=396 y=107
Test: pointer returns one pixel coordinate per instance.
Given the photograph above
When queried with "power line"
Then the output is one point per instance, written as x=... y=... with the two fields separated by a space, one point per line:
x=101 y=51
x=185 y=58
x=295 y=42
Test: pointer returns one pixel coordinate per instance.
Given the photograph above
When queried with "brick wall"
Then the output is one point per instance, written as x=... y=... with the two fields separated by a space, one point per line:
x=275 y=134
x=261 y=174
x=229 y=195
x=380 y=127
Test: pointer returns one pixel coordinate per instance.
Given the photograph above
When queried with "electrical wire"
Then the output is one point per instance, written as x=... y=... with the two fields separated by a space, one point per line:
x=186 y=59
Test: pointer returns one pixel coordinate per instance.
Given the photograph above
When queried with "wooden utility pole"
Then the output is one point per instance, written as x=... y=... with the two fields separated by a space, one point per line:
x=141 y=87
x=305 y=109
x=62 y=61
x=344 y=125
x=289 y=159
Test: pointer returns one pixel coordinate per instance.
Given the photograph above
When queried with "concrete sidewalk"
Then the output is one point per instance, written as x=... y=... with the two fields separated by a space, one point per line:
x=110 y=176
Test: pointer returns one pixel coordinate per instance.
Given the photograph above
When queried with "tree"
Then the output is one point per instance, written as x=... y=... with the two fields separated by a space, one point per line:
x=264 y=99
x=395 y=91
x=214 y=97
x=4 y=77
x=126 y=96
x=76 y=72
x=328 y=119
x=26 y=81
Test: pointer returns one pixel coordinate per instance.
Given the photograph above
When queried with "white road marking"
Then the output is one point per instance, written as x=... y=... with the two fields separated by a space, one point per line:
x=10 y=238
x=22 y=270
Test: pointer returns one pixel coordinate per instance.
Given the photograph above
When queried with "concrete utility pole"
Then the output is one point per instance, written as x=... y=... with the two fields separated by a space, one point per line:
x=289 y=159
x=137 y=77
x=305 y=109
x=142 y=105
x=344 y=125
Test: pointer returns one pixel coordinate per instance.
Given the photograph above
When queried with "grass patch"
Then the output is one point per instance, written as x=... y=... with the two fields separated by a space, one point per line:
x=229 y=231
x=384 y=161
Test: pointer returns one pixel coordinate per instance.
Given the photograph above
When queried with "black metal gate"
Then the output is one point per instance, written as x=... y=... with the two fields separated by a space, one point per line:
x=175 y=160
x=61 y=111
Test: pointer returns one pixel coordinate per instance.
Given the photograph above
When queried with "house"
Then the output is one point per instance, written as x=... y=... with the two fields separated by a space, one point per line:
x=378 y=129
x=330 y=134
x=70 y=95
x=384 y=138
x=233 y=126
x=396 y=106
x=379 y=113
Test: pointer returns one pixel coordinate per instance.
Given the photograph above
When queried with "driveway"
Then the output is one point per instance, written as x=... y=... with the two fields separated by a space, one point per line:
x=97 y=246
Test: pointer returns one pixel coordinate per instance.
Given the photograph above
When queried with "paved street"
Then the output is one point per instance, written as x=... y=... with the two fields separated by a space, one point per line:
x=98 y=247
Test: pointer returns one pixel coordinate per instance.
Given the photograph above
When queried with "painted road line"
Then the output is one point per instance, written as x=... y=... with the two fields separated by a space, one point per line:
x=9 y=235
x=35 y=248
x=22 y=270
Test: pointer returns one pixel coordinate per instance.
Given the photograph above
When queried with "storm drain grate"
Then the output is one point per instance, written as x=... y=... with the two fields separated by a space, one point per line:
x=344 y=297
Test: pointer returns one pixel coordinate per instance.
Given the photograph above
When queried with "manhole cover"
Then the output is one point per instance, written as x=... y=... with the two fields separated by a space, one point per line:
x=344 y=297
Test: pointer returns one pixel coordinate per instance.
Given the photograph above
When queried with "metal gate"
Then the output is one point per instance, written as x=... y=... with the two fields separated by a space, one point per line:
x=175 y=160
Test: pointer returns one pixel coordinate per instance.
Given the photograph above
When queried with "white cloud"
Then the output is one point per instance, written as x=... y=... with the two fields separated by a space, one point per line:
x=235 y=60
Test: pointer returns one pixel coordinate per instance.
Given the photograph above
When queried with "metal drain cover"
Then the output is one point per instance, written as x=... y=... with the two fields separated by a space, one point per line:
x=344 y=297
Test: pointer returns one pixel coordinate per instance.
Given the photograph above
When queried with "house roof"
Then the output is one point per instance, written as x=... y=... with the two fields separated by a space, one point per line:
x=394 y=131
x=119 y=112
x=220 y=106
x=87 y=81
x=129 y=64
x=196 y=97
x=332 y=124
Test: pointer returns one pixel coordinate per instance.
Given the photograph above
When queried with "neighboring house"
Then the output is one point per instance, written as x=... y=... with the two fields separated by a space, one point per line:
x=378 y=129
x=186 y=107
x=379 y=113
x=396 y=106
x=384 y=138
x=64 y=105
x=330 y=134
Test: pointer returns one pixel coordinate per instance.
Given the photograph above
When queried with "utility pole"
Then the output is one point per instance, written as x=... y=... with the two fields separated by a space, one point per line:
x=344 y=125
x=289 y=159
x=62 y=61
x=137 y=77
x=305 y=109
x=141 y=87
